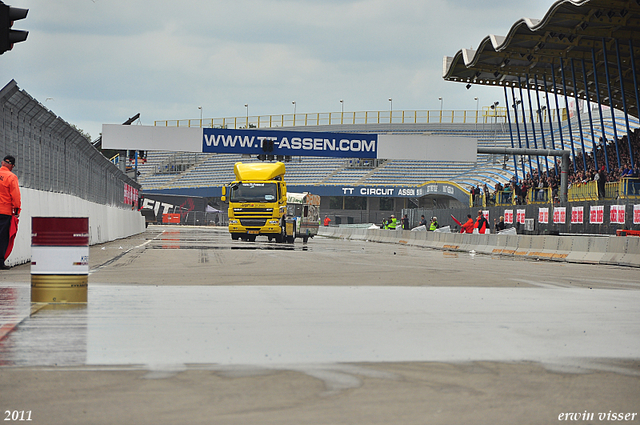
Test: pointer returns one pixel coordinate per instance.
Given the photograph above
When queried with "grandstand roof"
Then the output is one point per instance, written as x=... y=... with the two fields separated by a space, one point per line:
x=570 y=32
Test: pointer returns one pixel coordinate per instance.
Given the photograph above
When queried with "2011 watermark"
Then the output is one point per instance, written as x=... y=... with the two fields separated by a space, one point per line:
x=592 y=416
x=17 y=415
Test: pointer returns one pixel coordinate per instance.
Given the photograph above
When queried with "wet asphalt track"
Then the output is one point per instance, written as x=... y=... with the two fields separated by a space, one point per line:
x=176 y=299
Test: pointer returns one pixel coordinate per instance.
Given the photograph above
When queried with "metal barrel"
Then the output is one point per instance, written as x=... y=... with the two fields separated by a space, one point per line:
x=59 y=259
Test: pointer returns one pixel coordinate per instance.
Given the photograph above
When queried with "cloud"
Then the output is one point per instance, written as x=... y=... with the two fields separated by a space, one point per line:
x=104 y=60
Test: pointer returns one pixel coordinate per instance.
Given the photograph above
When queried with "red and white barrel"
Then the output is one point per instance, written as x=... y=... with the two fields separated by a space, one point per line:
x=59 y=259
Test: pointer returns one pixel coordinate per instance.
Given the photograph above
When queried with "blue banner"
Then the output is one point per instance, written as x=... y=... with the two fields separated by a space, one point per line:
x=290 y=143
x=435 y=188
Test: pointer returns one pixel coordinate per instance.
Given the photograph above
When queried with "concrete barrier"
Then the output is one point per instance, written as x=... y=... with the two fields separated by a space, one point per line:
x=455 y=241
x=550 y=247
x=565 y=247
x=415 y=239
x=405 y=235
x=524 y=245
x=487 y=242
x=579 y=250
x=632 y=256
x=106 y=223
x=439 y=240
x=509 y=247
x=536 y=249
x=358 y=234
x=616 y=250
x=501 y=242
x=598 y=246
x=450 y=241
x=374 y=235
x=468 y=242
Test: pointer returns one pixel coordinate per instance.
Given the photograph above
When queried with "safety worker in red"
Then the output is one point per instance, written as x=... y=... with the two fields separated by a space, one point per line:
x=468 y=226
x=481 y=223
x=327 y=220
x=10 y=203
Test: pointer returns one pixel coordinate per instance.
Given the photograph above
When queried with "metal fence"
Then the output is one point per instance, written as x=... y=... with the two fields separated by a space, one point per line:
x=53 y=156
x=486 y=115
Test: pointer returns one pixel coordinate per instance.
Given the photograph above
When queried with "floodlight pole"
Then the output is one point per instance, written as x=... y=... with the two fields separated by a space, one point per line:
x=564 y=170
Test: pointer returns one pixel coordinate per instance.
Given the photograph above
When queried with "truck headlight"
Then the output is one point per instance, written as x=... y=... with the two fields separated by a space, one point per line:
x=233 y=221
x=273 y=221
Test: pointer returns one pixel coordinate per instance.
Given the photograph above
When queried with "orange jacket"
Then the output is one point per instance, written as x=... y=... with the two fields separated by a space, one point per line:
x=467 y=227
x=481 y=224
x=9 y=192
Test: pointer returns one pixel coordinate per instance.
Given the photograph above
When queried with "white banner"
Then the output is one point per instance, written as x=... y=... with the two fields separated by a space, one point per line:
x=60 y=260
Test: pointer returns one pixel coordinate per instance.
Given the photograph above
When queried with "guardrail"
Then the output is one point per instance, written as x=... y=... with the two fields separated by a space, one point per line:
x=484 y=116
x=583 y=191
x=540 y=195
x=629 y=188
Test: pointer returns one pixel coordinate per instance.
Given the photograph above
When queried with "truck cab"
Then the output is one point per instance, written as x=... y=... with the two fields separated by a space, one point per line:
x=257 y=201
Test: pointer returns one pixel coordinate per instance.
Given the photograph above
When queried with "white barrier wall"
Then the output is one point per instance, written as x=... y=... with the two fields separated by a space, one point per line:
x=106 y=223
x=616 y=250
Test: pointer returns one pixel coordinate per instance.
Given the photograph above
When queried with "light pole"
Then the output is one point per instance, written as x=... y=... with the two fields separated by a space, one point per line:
x=390 y=110
x=246 y=105
x=341 y=111
x=200 y=107
x=494 y=107
x=441 y=101
x=294 y=112
x=477 y=103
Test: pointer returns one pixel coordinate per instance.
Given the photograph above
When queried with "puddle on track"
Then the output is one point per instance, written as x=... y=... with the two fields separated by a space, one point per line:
x=290 y=325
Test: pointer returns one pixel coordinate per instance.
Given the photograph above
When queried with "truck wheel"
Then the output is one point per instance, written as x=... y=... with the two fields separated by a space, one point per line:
x=282 y=236
x=235 y=236
x=292 y=238
x=305 y=239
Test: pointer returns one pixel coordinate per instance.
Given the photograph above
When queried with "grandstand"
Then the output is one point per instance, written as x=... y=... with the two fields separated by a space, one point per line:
x=175 y=170
x=579 y=59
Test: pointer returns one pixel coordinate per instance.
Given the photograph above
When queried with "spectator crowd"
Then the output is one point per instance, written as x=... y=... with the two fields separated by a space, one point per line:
x=578 y=175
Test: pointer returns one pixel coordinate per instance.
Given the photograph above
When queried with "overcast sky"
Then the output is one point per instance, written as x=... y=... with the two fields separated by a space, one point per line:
x=102 y=61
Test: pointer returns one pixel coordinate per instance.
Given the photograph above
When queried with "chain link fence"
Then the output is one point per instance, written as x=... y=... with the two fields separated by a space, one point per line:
x=51 y=155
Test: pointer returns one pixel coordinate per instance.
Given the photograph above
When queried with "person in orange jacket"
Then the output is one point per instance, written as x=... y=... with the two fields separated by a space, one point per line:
x=10 y=203
x=468 y=226
x=327 y=220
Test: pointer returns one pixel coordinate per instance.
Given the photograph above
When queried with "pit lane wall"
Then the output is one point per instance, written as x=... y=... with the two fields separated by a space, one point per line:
x=612 y=250
x=106 y=223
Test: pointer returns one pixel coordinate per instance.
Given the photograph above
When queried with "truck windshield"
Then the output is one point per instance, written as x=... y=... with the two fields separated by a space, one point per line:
x=253 y=192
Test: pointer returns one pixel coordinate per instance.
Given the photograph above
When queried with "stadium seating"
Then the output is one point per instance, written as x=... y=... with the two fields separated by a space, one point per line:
x=165 y=170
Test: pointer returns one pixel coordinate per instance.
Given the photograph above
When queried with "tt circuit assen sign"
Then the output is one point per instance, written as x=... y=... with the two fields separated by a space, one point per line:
x=289 y=143
x=433 y=188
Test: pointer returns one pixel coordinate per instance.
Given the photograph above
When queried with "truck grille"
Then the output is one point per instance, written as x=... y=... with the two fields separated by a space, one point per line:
x=253 y=222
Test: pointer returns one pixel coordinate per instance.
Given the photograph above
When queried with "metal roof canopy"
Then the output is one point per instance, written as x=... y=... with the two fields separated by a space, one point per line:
x=571 y=32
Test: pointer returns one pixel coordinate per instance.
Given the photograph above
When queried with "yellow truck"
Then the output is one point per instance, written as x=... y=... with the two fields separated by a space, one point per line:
x=258 y=205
